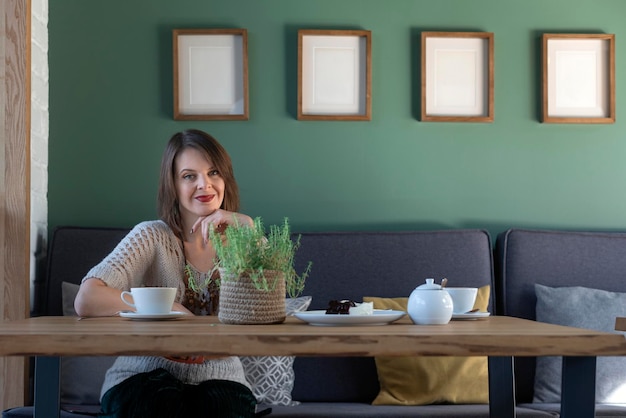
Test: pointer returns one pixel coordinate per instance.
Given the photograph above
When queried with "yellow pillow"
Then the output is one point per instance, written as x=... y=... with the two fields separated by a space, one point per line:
x=430 y=380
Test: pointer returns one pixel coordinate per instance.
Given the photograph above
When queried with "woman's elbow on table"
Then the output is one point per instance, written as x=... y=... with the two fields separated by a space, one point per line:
x=91 y=299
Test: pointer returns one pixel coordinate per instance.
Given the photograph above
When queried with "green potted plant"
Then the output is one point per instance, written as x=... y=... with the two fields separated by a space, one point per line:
x=256 y=272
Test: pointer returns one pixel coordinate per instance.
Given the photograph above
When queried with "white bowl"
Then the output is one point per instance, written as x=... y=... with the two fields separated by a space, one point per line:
x=463 y=298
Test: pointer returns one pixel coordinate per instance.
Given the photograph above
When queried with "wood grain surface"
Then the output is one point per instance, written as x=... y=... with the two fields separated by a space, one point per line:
x=494 y=336
x=15 y=66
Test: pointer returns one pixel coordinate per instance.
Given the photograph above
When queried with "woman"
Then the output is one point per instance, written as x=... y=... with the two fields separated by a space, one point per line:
x=197 y=191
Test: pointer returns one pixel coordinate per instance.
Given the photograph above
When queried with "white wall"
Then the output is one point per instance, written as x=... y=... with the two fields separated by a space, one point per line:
x=39 y=137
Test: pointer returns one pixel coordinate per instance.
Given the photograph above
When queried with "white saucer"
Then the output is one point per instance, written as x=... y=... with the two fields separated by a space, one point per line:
x=473 y=315
x=379 y=317
x=152 y=317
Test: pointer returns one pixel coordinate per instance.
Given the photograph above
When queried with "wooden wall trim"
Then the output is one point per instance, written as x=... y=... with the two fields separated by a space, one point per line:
x=15 y=68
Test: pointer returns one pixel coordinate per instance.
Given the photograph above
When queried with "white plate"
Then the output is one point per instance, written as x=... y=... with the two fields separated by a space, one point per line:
x=152 y=317
x=379 y=317
x=473 y=315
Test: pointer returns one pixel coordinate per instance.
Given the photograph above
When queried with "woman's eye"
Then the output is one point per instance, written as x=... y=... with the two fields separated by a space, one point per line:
x=214 y=173
x=189 y=177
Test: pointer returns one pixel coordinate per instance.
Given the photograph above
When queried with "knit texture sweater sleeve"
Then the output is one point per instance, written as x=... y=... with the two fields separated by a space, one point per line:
x=150 y=255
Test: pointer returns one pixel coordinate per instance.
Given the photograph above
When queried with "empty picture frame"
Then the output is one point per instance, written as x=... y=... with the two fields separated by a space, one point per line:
x=210 y=74
x=457 y=77
x=334 y=75
x=578 y=78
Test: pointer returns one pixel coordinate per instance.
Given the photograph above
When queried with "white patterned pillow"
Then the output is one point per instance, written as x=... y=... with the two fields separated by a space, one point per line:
x=272 y=377
x=293 y=305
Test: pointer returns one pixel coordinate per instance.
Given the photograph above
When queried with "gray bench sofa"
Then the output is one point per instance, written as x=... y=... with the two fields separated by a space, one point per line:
x=346 y=265
x=566 y=265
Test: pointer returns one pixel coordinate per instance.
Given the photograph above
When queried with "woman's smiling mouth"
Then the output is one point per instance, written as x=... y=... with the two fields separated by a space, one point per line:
x=205 y=198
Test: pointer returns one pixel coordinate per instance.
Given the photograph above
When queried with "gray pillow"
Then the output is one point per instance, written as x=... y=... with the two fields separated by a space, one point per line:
x=81 y=377
x=68 y=294
x=580 y=307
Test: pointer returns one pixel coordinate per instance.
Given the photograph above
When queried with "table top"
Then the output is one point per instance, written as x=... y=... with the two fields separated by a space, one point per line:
x=205 y=335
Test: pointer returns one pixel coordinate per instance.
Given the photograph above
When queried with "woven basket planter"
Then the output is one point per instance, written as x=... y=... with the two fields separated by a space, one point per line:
x=242 y=303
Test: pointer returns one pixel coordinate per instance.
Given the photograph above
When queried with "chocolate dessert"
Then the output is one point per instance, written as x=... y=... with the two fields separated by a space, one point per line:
x=339 y=307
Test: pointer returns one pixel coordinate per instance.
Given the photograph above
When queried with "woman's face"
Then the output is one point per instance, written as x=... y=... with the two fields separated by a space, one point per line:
x=199 y=186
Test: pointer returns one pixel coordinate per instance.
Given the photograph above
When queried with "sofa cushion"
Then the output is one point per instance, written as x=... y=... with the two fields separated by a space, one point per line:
x=430 y=380
x=81 y=377
x=29 y=412
x=272 y=377
x=588 y=308
x=365 y=410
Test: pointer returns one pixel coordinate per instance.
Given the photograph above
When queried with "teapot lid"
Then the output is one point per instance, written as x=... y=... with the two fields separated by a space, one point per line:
x=429 y=285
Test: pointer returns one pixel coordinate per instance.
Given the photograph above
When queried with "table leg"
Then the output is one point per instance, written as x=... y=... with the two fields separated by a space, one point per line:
x=578 y=387
x=47 y=387
x=501 y=387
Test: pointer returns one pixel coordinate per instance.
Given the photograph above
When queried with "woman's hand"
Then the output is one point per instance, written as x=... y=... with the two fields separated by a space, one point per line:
x=180 y=308
x=220 y=220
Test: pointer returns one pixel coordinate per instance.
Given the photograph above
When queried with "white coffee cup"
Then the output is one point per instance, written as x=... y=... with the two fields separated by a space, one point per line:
x=463 y=298
x=150 y=300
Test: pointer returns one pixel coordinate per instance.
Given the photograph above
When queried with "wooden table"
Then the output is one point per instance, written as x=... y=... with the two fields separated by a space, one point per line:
x=500 y=338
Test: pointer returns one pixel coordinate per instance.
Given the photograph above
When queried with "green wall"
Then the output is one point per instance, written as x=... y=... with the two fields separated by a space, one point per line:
x=111 y=115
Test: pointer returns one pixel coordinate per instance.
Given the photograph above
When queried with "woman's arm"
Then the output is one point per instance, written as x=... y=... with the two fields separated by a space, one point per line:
x=95 y=298
x=127 y=266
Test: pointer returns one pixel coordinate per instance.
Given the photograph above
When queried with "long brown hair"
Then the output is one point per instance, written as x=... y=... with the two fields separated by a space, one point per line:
x=207 y=145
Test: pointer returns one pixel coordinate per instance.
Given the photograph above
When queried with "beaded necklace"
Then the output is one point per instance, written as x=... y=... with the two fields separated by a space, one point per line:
x=201 y=298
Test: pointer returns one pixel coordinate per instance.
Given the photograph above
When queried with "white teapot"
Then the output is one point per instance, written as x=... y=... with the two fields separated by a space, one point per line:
x=430 y=304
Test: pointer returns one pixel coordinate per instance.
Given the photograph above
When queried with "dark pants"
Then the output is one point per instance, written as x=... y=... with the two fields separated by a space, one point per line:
x=158 y=394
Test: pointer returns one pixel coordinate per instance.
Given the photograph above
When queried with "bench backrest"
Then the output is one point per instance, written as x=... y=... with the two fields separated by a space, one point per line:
x=72 y=252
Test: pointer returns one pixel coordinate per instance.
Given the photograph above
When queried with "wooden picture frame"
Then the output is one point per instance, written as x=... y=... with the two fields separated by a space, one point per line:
x=210 y=74
x=335 y=75
x=578 y=78
x=457 y=77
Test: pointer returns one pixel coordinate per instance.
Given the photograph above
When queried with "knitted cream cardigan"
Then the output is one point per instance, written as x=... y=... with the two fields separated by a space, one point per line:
x=151 y=255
